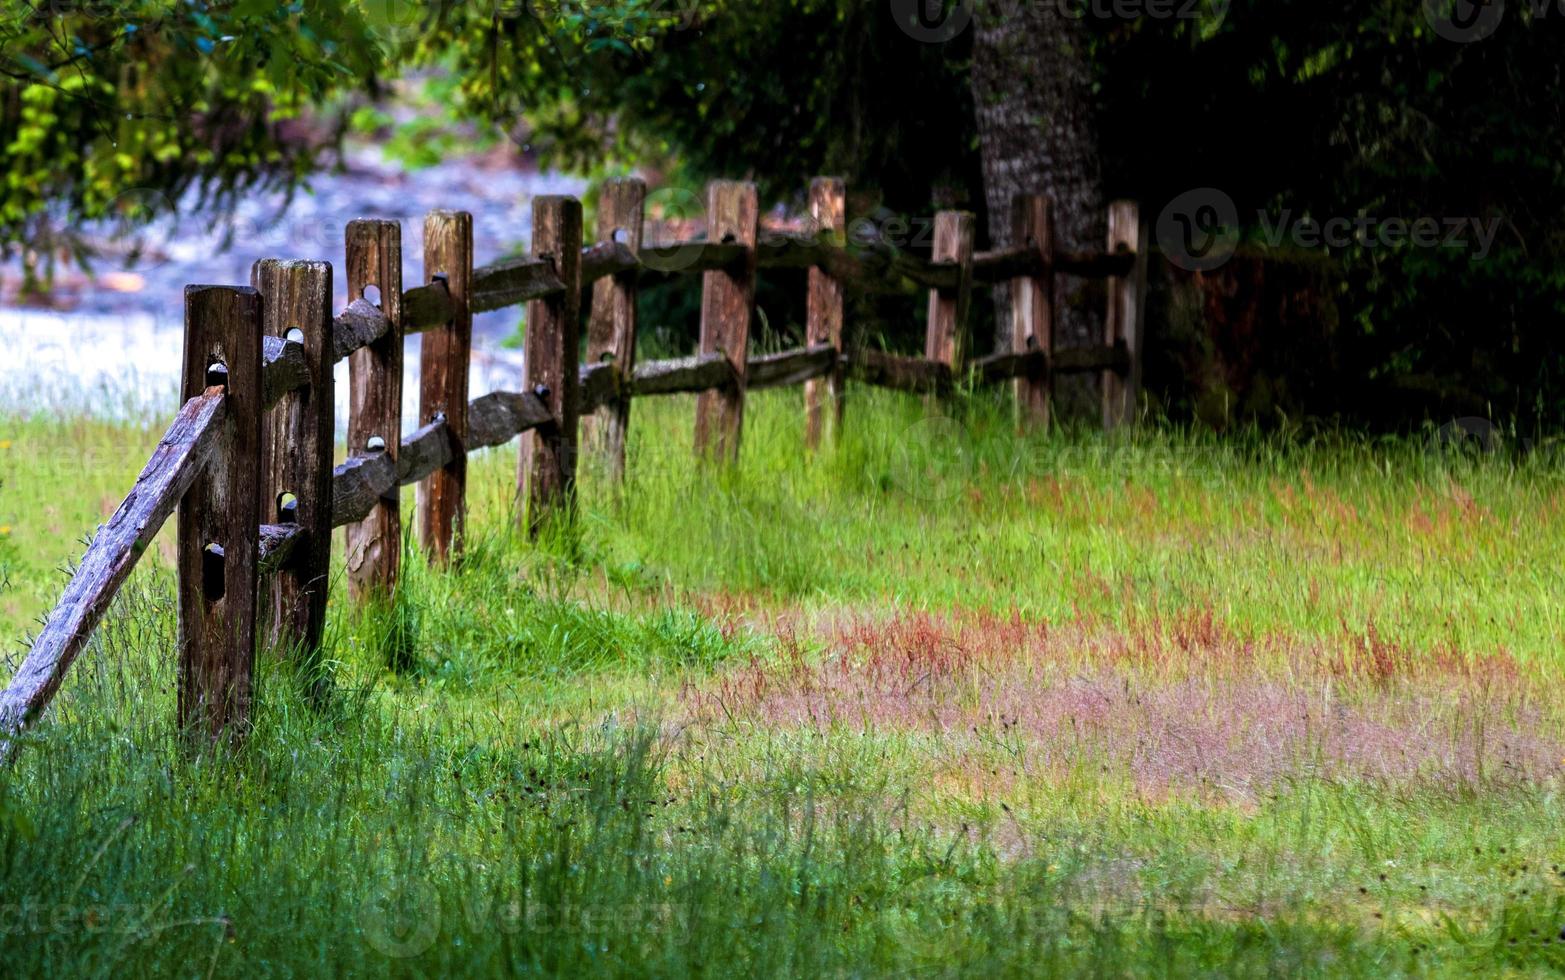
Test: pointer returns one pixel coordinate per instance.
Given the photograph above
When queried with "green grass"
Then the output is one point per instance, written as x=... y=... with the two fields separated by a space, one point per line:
x=943 y=700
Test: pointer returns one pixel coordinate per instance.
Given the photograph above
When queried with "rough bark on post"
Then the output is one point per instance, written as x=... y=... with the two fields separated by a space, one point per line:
x=220 y=516
x=823 y=311
x=1037 y=122
x=298 y=438
x=727 y=298
x=374 y=258
x=946 y=337
x=443 y=373
x=611 y=331
x=1032 y=306
x=1123 y=321
x=547 y=477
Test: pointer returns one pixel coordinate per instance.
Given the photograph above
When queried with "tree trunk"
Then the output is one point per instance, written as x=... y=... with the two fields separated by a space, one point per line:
x=1037 y=129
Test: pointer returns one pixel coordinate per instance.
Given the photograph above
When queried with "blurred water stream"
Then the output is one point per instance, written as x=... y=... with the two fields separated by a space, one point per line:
x=110 y=344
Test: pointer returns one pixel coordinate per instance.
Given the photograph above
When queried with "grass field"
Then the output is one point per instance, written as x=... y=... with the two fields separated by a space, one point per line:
x=942 y=701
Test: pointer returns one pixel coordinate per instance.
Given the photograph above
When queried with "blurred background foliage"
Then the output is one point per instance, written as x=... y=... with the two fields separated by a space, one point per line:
x=1318 y=108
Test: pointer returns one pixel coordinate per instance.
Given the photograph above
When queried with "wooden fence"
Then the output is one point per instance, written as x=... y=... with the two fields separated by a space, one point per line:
x=248 y=459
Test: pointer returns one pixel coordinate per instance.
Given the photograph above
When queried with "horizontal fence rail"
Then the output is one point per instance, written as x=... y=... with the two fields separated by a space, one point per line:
x=266 y=576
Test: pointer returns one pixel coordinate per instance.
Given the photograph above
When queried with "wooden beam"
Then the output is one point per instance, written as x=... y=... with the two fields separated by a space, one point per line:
x=443 y=374
x=727 y=299
x=1009 y=365
x=427 y=450
x=500 y=416
x=374 y=258
x=1081 y=360
x=298 y=441
x=546 y=478
x=511 y=282
x=823 y=315
x=182 y=455
x=609 y=257
x=682 y=374
x=693 y=256
x=284 y=368
x=901 y=373
x=946 y=338
x=426 y=306
x=1001 y=265
x=1012 y=262
x=1123 y=324
x=358 y=326
x=802 y=252
x=357 y=486
x=277 y=547
x=1093 y=265
x=1032 y=307
x=600 y=387
x=792 y=367
x=611 y=330
x=219 y=517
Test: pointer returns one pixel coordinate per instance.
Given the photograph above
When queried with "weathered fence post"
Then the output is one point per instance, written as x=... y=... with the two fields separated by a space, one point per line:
x=298 y=437
x=1032 y=307
x=823 y=311
x=220 y=515
x=611 y=331
x=374 y=258
x=1123 y=322
x=547 y=477
x=946 y=337
x=443 y=375
x=727 y=295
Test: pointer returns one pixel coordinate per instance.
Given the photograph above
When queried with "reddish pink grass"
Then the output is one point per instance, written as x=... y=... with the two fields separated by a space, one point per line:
x=1174 y=704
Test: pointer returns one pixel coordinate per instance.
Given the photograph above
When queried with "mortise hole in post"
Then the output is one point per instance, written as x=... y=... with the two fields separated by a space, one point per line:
x=212 y=584
x=730 y=238
x=621 y=235
x=375 y=444
x=294 y=336
x=371 y=294
x=217 y=375
x=287 y=508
